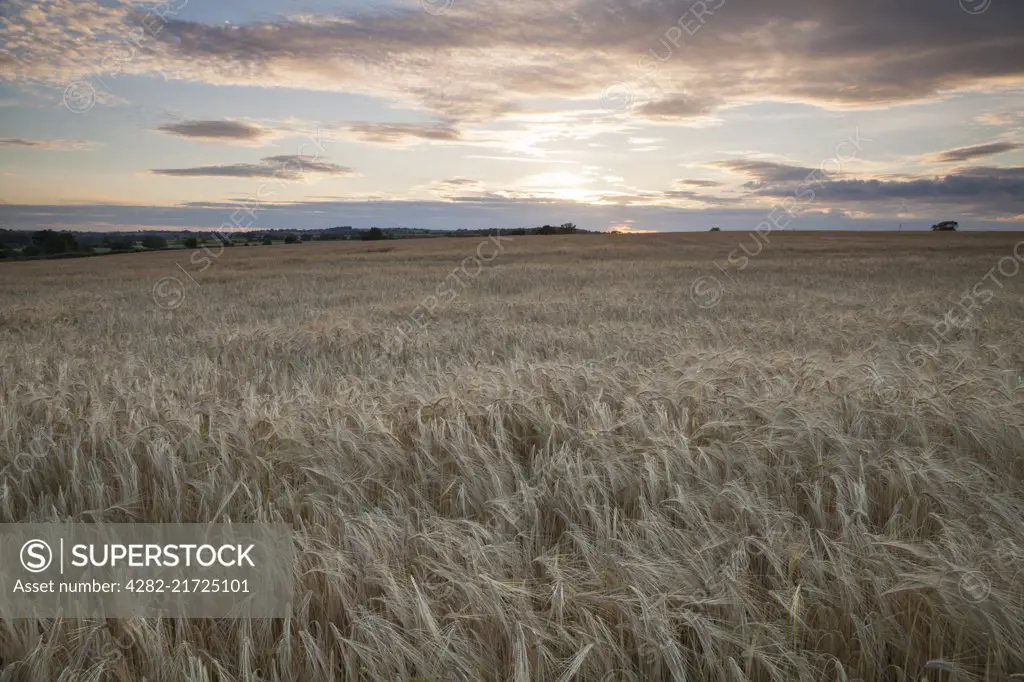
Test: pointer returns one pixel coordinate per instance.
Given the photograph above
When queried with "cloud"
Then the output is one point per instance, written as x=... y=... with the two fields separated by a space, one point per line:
x=980 y=191
x=283 y=167
x=534 y=160
x=1002 y=119
x=48 y=145
x=485 y=58
x=455 y=189
x=693 y=182
x=218 y=131
x=766 y=172
x=1012 y=173
x=459 y=182
x=398 y=133
x=705 y=199
x=988 y=192
x=976 y=152
x=675 y=109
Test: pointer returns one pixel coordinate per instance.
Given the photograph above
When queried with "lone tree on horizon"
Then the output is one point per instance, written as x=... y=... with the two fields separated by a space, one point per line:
x=946 y=226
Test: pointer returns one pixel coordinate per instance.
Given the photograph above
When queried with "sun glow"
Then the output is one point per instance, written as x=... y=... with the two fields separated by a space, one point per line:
x=562 y=185
x=627 y=228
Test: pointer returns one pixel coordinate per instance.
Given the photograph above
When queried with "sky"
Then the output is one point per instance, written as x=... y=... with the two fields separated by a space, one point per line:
x=636 y=115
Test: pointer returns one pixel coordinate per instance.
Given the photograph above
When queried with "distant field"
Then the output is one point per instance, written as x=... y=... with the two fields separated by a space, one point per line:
x=591 y=458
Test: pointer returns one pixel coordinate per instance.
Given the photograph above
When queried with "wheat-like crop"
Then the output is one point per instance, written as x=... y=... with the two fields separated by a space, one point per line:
x=567 y=470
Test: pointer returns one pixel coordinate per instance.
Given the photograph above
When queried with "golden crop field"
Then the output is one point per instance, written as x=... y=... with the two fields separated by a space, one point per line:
x=585 y=459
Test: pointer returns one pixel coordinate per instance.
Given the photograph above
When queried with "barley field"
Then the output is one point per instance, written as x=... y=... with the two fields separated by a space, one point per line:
x=584 y=460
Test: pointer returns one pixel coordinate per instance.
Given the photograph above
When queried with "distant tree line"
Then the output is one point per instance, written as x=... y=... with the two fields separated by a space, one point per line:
x=41 y=243
x=564 y=228
x=17 y=244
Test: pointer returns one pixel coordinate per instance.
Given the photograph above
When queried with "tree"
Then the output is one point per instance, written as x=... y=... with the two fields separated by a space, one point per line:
x=4 y=252
x=291 y=239
x=191 y=243
x=946 y=226
x=31 y=251
x=154 y=241
x=716 y=229
x=373 y=234
x=50 y=242
x=267 y=241
x=567 y=228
